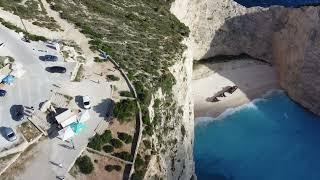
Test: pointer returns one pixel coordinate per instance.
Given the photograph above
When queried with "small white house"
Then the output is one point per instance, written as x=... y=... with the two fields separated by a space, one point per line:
x=66 y=118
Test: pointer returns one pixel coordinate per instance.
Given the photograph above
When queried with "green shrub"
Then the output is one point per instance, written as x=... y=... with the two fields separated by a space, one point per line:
x=147 y=144
x=108 y=148
x=97 y=140
x=167 y=80
x=36 y=38
x=125 y=94
x=145 y=117
x=112 y=77
x=148 y=130
x=108 y=168
x=139 y=162
x=124 y=155
x=124 y=110
x=117 y=167
x=85 y=165
x=126 y=138
x=106 y=136
x=156 y=103
x=116 y=143
x=98 y=60
x=138 y=175
x=147 y=158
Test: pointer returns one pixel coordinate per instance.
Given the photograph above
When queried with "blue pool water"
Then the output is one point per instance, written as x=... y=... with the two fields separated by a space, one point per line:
x=286 y=3
x=270 y=139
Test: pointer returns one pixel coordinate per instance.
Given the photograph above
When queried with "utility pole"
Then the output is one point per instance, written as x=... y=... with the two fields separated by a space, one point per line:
x=21 y=20
x=25 y=29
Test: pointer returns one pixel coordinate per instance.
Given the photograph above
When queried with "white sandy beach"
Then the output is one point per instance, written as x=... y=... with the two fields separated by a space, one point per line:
x=253 y=79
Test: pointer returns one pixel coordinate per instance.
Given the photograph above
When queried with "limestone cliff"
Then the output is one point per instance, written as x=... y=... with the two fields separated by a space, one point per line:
x=221 y=27
x=296 y=50
x=175 y=137
x=287 y=37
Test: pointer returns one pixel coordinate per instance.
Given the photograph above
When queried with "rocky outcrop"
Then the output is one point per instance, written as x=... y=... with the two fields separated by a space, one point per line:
x=286 y=37
x=296 y=50
x=175 y=162
x=223 y=27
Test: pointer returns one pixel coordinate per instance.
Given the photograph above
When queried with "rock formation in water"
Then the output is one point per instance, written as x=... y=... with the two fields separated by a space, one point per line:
x=286 y=37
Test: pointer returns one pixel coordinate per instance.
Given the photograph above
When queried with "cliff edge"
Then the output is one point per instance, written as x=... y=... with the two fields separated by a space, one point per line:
x=286 y=37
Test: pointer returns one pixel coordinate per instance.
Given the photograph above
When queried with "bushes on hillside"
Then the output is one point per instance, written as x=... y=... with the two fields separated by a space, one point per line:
x=112 y=77
x=110 y=168
x=138 y=163
x=124 y=155
x=98 y=140
x=108 y=148
x=85 y=165
x=125 y=94
x=138 y=175
x=148 y=130
x=126 y=138
x=144 y=95
x=116 y=143
x=147 y=144
x=124 y=110
x=98 y=60
x=145 y=117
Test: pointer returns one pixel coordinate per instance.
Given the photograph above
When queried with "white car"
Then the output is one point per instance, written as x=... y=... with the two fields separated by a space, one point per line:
x=86 y=102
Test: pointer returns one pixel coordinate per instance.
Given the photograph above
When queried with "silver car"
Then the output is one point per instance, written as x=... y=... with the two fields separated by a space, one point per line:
x=9 y=134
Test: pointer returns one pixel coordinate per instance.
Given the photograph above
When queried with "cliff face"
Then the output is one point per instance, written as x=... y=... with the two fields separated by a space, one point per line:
x=296 y=49
x=286 y=37
x=223 y=27
x=175 y=137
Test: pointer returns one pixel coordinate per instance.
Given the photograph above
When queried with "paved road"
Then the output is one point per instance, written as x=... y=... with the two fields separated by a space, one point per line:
x=34 y=87
x=56 y=150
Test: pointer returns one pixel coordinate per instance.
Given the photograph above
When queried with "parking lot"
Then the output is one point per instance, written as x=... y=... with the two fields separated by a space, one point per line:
x=35 y=85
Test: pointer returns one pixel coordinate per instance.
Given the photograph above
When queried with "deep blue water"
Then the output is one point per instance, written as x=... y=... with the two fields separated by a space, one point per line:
x=286 y=3
x=271 y=139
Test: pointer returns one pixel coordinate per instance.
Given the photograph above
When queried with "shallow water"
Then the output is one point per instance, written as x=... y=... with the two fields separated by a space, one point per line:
x=269 y=139
x=286 y=3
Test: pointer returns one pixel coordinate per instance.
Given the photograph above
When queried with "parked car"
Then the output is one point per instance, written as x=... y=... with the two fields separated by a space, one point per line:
x=86 y=102
x=2 y=92
x=56 y=69
x=9 y=134
x=50 y=58
x=19 y=112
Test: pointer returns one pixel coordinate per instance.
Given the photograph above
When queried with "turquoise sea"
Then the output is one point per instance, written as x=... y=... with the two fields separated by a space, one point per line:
x=271 y=138
x=286 y=3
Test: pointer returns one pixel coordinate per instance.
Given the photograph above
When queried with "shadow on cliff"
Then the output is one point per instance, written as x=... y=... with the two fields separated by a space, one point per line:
x=248 y=36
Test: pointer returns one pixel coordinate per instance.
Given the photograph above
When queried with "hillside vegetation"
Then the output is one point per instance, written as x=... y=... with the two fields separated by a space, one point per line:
x=145 y=40
x=141 y=35
x=32 y=10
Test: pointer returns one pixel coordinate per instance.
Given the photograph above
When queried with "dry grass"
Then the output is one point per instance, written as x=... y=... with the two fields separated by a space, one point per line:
x=99 y=172
x=128 y=128
x=19 y=165
x=6 y=159
x=29 y=131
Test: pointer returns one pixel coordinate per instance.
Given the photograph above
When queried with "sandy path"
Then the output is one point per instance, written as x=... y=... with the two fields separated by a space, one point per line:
x=253 y=79
x=69 y=31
